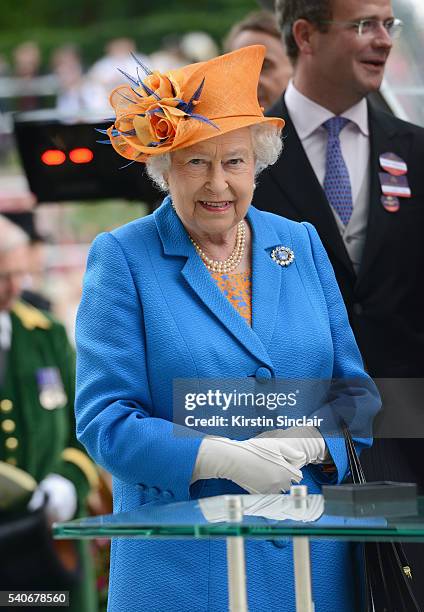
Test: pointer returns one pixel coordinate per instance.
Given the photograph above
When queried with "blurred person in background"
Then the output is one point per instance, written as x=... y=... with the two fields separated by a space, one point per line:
x=37 y=438
x=14 y=196
x=32 y=288
x=27 y=60
x=77 y=93
x=104 y=71
x=355 y=172
x=198 y=47
x=169 y=56
x=261 y=28
x=27 y=67
x=177 y=51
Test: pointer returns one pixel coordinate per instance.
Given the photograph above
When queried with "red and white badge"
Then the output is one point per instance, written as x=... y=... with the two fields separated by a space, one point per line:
x=397 y=186
x=393 y=164
x=390 y=203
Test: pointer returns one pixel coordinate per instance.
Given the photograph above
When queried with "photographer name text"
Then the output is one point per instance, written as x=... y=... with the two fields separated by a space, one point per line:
x=260 y=421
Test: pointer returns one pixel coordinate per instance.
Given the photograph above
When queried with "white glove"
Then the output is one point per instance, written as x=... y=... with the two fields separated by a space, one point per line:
x=274 y=507
x=305 y=440
x=62 y=498
x=257 y=465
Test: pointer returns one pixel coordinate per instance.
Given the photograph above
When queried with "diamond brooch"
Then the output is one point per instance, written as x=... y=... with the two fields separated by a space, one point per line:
x=283 y=256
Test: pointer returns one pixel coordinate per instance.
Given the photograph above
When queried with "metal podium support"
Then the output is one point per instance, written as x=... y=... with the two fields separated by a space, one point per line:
x=302 y=558
x=236 y=562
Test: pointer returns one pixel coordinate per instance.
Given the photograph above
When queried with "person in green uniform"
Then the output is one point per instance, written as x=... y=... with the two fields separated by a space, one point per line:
x=37 y=435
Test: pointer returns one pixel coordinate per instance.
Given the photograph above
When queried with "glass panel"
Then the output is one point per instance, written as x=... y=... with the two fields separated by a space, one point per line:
x=403 y=86
x=265 y=516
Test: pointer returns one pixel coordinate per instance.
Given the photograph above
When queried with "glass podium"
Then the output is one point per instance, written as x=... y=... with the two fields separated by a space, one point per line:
x=297 y=516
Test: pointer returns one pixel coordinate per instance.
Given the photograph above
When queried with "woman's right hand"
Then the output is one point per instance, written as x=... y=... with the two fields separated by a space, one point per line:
x=258 y=465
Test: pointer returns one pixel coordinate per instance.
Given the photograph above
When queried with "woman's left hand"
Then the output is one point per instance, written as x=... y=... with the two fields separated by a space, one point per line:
x=304 y=440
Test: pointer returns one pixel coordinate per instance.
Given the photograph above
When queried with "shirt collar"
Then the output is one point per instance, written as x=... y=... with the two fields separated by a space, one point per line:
x=308 y=116
x=5 y=330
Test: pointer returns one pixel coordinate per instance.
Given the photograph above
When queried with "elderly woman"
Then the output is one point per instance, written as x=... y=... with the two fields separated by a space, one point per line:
x=206 y=287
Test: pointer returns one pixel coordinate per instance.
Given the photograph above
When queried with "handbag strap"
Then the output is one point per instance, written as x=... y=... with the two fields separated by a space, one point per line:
x=358 y=476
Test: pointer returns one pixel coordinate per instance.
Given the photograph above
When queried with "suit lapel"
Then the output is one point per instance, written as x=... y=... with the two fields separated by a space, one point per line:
x=177 y=243
x=384 y=137
x=306 y=194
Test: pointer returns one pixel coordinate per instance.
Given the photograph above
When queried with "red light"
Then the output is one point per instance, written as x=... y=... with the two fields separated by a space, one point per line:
x=53 y=157
x=81 y=155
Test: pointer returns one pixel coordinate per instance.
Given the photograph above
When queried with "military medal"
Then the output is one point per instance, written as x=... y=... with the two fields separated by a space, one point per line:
x=396 y=186
x=394 y=181
x=390 y=203
x=50 y=387
x=393 y=164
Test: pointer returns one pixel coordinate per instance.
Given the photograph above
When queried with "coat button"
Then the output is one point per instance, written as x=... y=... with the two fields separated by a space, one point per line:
x=154 y=491
x=280 y=543
x=11 y=443
x=8 y=426
x=142 y=487
x=6 y=405
x=358 y=309
x=263 y=374
x=167 y=495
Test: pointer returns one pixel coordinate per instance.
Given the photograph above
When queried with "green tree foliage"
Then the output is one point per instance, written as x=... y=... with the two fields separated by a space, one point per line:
x=91 y=23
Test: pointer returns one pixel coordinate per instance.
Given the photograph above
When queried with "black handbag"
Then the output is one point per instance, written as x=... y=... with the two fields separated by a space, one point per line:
x=388 y=576
x=29 y=557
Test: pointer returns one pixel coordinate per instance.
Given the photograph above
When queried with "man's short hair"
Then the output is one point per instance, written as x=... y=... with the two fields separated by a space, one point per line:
x=12 y=236
x=289 y=11
x=257 y=21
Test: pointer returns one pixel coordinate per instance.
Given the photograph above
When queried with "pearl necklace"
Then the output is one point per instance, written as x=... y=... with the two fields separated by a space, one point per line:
x=233 y=261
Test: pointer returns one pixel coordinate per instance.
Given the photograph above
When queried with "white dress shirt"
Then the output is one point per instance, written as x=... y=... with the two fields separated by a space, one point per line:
x=5 y=330
x=307 y=117
x=5 y=342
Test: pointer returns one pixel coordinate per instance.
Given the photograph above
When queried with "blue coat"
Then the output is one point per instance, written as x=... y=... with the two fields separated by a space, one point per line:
x=150 y=313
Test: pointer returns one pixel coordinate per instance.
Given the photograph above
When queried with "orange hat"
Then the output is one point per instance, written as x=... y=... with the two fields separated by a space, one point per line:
x=164 y=112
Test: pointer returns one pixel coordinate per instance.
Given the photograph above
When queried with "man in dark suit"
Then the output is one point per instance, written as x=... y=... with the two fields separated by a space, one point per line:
x=336 y=146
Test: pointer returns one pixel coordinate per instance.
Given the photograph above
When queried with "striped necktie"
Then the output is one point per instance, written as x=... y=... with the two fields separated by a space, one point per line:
x=337 y=185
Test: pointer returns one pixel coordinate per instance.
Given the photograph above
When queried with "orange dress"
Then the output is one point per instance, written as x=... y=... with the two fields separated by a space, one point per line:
x=237 y=288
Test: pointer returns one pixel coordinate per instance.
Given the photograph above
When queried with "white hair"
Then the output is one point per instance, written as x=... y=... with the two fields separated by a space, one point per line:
x=12 y=236
x=267 y=146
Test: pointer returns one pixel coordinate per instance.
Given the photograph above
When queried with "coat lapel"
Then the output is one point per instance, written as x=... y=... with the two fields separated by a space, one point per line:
x=384 y=137
x=297 y=180
x=177 y=243
x=266 y=275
